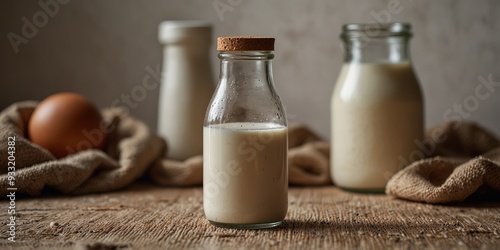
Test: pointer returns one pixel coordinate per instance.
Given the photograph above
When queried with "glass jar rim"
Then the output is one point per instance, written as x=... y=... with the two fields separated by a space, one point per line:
x=375 y=30
x=246 y=55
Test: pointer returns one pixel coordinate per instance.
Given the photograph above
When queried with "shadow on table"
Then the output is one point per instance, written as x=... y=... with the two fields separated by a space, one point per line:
x=474 y=201
x=140 y=186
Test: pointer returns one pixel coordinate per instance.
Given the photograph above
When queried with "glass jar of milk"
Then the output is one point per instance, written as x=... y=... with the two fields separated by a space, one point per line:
x=376 y=107
x=245 y=170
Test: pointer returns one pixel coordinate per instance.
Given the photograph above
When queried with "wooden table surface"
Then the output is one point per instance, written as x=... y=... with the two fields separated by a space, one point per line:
x=145 y=216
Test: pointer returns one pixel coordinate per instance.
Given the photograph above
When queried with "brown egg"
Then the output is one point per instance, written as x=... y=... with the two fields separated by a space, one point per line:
x=66 y=123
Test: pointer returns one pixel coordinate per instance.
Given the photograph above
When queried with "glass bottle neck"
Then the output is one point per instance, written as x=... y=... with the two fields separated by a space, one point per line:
x=246 y=67
x=246 y=91
x=376 y=50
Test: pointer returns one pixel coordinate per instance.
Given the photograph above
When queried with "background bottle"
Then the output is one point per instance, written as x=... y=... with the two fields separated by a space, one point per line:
x=186 y=86
x=377 y=107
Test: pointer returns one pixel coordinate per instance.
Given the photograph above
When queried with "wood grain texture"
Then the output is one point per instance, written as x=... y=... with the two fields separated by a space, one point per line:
x=151 y=217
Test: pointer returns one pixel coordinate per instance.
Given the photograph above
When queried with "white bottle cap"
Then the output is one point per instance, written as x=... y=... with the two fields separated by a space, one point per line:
x=176 y=31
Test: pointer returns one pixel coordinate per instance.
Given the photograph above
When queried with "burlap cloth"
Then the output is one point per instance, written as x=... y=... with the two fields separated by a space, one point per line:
x=131 y=151
x=466 y=161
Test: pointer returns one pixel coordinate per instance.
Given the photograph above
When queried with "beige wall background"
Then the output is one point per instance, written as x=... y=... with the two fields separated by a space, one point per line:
x=101 y=49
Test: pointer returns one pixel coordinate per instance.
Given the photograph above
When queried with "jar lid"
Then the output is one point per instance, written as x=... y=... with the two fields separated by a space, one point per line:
x=245 y=43
x=175 y=31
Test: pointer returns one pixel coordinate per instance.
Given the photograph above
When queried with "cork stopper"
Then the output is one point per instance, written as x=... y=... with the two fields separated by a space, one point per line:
x=245 y=43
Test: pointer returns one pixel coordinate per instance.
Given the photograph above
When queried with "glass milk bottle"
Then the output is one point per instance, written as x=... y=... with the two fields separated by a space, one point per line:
x=376 y=107
x=186 y=86
x=245 y=170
